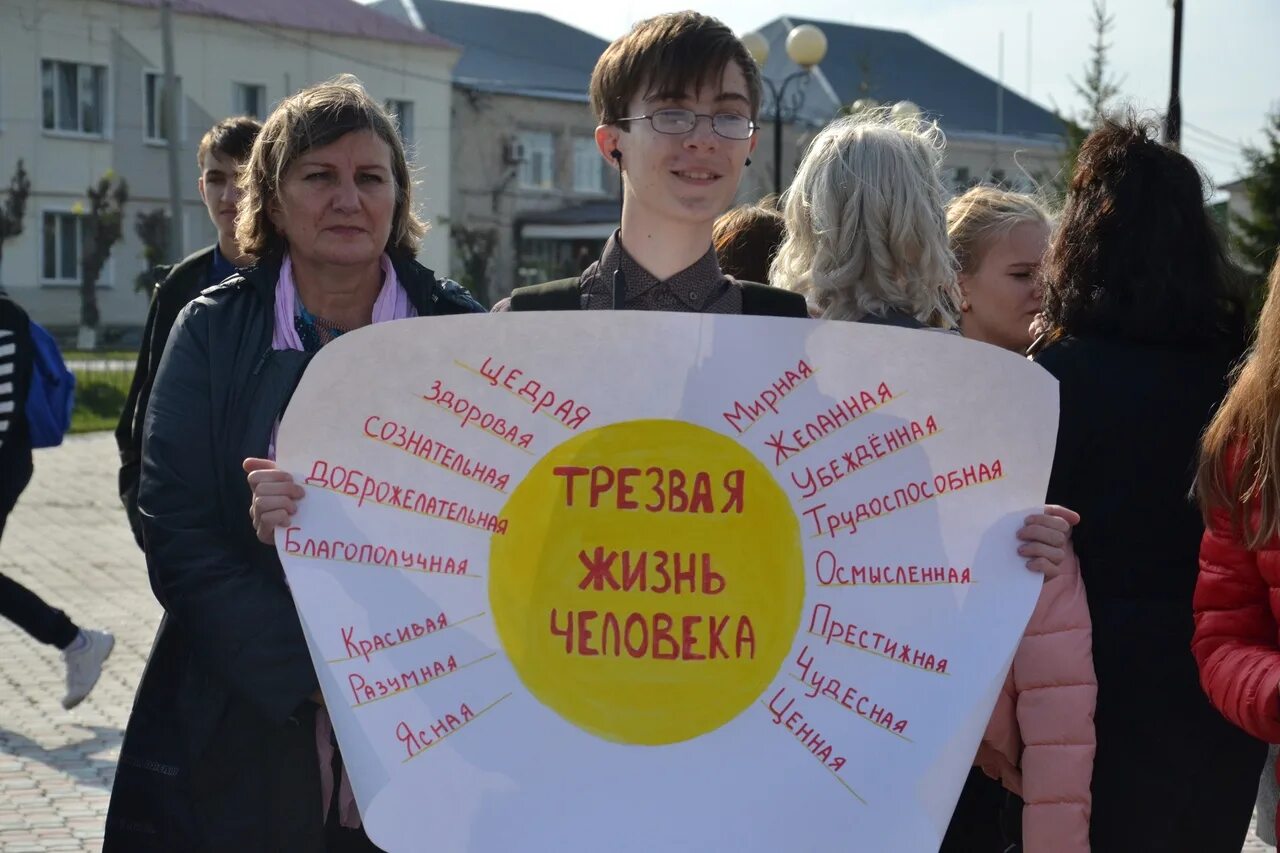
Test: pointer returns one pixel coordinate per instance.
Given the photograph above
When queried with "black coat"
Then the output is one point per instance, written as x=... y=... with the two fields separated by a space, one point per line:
x=182 y=283
x=15 y=452
x=1170 y=773
x=220 y=749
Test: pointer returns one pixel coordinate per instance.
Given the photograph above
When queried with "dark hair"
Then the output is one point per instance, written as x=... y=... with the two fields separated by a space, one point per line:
x=231 y=137
x=675 y=52
x=747 y=239
x=1136 y=256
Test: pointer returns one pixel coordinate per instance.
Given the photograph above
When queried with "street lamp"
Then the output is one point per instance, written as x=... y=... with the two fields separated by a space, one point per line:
x=806 y=46
x=905 y=112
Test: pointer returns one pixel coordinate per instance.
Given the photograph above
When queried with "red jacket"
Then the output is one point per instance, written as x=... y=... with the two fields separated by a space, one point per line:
x=1237 y=642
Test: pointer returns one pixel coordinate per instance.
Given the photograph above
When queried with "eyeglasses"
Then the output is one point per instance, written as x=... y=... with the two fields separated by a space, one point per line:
x=675 y=122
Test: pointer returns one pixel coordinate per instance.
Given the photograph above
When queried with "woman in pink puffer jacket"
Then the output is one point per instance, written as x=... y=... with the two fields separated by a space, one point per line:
x=1039 y=744
x=1037 y=751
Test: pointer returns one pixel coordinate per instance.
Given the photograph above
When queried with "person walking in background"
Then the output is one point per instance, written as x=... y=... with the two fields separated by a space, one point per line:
x=1145 y=323
x=84 y=650
x=747 y=240
x=1237 y=599
x=221 y=156
x=999 y=240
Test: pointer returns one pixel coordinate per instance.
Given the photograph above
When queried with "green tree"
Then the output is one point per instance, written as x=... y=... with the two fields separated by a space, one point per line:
x=15 y=206
x=103 y=228
x=475 y=248
x=1098 y=88
x=152 y=228
x=1257 y=236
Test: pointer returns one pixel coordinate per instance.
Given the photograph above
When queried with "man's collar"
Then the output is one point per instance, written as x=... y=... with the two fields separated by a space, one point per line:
x=697 y=278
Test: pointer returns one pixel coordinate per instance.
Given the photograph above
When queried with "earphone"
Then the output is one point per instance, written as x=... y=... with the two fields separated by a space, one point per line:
x=619 y=280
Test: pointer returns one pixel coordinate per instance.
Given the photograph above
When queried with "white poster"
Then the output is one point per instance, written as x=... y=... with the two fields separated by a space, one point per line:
x=638 y=581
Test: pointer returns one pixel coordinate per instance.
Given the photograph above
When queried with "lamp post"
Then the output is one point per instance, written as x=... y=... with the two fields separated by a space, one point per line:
x=1173 y=118
x=806 y=46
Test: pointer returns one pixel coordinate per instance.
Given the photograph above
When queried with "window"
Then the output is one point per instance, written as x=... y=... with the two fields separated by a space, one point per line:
x=403 y=113
x=249 y=99
x=960 y=180
x=74 y=97
x=537 y=169
x=153 y=98
x=588 y=167
x=63 y=237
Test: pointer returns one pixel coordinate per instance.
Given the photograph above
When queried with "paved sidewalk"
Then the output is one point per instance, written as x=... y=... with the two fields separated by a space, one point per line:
x=68 y=541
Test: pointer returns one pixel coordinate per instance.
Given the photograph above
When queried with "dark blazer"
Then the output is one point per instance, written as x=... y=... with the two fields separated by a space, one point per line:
x=220 y=751
x=1170 y=773
x=181 y=284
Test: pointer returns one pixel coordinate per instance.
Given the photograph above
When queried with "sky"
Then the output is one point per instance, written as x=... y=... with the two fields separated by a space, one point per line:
x=1230 y=62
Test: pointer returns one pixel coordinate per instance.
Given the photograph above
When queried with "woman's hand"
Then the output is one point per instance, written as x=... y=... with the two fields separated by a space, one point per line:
x=1046 y=540
x=275 y=497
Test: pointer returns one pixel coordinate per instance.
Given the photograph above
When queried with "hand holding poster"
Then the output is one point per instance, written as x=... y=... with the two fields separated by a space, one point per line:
x=661 y=581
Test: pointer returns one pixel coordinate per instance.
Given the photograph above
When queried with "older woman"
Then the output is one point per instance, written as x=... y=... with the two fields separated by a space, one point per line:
x=1145 y=324
x=227 y=747
x=999 y=239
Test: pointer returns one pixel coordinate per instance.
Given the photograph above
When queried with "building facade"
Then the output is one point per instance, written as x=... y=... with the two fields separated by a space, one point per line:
x=81 y=94
x=531 y=199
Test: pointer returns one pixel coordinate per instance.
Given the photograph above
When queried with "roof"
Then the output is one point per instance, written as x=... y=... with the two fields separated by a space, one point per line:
x=505 y=50
x=334 y=17
x=889 y=66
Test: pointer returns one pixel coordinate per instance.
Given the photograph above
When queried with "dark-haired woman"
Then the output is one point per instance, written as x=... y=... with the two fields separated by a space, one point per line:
x=1145 y=324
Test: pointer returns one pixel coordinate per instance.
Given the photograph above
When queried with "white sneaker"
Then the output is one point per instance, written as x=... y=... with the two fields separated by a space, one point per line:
x=84 y=665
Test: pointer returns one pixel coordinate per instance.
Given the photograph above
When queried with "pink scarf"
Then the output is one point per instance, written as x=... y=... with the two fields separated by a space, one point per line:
x=392 y=304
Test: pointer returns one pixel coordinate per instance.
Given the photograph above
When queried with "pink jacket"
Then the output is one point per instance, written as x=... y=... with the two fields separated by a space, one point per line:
x=1040 y=741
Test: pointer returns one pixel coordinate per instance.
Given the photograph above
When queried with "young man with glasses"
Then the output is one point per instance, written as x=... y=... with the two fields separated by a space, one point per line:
x=676 y=99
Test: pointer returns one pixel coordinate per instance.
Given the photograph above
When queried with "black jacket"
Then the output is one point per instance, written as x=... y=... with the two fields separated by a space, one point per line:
x=181 y=284
x=1170 y=773
x=15 y=452
x=220 y=752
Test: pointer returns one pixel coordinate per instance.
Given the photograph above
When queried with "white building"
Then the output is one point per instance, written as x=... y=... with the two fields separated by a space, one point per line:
x=80 y=94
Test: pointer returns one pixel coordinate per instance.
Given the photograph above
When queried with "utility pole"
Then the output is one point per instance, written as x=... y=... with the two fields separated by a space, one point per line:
x=1173 y=118
x=171 y=133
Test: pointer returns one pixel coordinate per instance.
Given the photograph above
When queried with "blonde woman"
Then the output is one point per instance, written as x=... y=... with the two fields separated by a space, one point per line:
x=867 y=241
x=1237 y=599
x=998 y=239
x=866 y=233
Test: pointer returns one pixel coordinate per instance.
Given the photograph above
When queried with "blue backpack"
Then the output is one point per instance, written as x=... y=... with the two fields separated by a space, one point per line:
x=52 y=393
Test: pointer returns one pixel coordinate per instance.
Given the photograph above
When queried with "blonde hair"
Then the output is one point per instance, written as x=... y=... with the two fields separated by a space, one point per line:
x=866 y=232
x=309 y=119
x=1240 y=451
x=984 y=213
